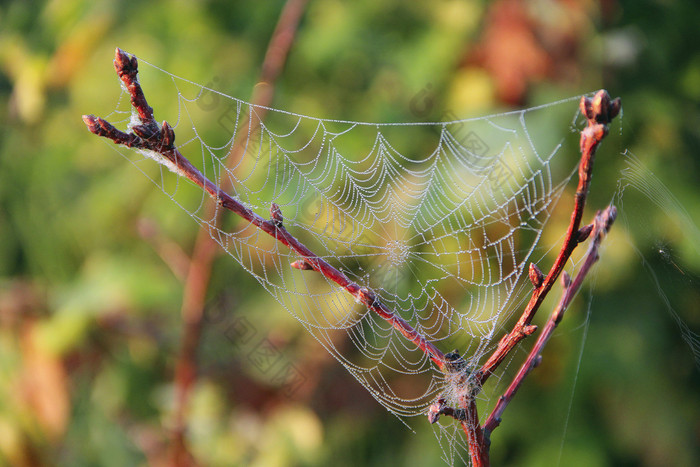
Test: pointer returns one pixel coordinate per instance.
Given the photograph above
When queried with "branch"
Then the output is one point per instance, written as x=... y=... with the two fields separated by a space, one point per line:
x=601 y=225
x=157 y=142
x=599 y=111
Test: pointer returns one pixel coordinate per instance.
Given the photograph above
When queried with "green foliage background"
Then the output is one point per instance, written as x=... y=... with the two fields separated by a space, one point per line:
x=89 y=311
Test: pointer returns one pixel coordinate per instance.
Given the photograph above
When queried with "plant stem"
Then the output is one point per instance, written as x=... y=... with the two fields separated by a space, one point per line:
x=159 y=141
x=599 y=112
x=602 y=223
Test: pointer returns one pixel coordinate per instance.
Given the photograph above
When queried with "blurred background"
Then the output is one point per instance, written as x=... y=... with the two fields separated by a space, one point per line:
x=93 y=259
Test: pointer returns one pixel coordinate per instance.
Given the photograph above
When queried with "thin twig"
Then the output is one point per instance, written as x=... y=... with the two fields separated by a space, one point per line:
x=601 y=225
x=599 y=112
x=158 y=144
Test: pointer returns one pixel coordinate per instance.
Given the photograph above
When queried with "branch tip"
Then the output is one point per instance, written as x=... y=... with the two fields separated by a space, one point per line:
x=565 y=279
x=91 y=123
x=302 y=265
x=583 y=233
x=124 y=63
x=276 y=215
x=435 y=410
x=610 y=214
x=536 y=275
x=167 y=135
x=536 y=362
x=101 y=127
x=600 y=108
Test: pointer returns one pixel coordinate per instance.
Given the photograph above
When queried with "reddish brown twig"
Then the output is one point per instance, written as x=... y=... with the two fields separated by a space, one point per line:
x=158 y=142
x=599 y=111
x=601 y=225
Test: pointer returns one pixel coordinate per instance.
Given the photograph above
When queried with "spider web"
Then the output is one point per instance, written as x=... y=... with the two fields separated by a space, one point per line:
x=438 y=219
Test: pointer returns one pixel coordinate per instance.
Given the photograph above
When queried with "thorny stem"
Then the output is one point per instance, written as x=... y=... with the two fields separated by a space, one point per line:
x=205 y=249
x=159 y=143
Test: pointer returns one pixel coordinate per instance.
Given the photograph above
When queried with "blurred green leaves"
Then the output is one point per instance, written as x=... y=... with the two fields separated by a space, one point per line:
x=89 y=303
